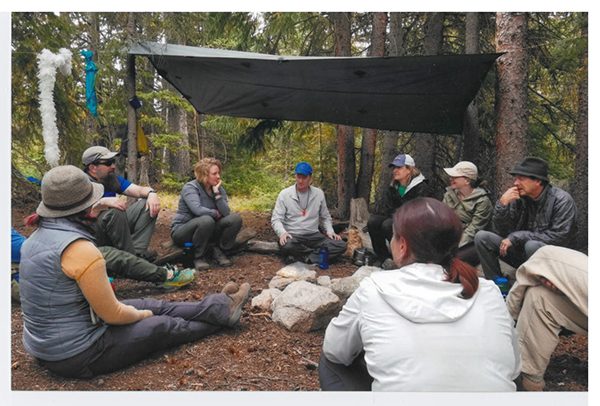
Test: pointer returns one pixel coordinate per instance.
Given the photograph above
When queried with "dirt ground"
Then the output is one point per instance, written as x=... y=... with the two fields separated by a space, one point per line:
x=257 y=355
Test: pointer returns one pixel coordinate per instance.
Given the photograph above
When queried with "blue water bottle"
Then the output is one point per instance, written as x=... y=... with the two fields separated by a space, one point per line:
x=324 y=258
x=502 y=283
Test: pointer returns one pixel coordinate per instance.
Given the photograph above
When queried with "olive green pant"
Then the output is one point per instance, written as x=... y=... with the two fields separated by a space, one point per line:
x=128 y=230
x=122 y=264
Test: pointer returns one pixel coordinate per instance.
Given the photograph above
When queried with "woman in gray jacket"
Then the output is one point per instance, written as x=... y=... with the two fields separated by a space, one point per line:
x=471 y=202
x=203 y=216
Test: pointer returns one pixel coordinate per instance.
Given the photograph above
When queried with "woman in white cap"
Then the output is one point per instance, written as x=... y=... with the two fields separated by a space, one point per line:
x=408 y=184
x=471 y=202
x=73 y=323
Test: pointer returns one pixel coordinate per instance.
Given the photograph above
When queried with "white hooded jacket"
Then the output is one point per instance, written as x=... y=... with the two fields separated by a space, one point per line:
x=419 y=335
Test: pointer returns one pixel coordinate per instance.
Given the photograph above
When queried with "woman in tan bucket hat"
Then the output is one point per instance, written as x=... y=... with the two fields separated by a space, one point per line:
x=73 y=323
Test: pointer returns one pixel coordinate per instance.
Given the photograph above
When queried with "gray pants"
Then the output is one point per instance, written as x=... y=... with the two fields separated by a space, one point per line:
x=204 y=230
x=129 y=230
x=122 y=264
x=308 y=245
x=487 y=245
x=340 y=378
x=173 y=324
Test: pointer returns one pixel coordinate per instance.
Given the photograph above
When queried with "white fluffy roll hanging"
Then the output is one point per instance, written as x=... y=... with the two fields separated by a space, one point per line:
x=48 y=63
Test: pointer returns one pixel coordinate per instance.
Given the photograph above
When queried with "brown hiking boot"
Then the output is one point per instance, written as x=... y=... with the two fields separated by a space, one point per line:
x=201 y=265
x=230 y=288
x=238 y=300
x=221 y=259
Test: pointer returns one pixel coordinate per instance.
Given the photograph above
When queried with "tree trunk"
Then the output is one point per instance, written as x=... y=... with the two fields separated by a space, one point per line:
x=471 y=142
x=182 y=165
x=581 y=164
x=345 y=134
x=425 y=146
x=511 y=96
x=131 y=116
x=389 y=148
x=369 y=139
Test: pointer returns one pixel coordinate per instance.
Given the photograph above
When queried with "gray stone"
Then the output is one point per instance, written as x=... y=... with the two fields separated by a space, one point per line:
x=344 y=287
x=280 y=283
x=324 y=280
x=305 y=307
x=364 y=271
x=265 y=299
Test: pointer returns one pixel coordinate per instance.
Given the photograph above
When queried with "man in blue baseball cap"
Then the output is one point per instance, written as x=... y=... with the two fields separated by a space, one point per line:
x=295 y=219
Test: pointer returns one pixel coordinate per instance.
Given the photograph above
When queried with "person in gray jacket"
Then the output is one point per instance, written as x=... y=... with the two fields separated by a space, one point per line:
x=529 y=215
x=296 y=216
x=203 y=216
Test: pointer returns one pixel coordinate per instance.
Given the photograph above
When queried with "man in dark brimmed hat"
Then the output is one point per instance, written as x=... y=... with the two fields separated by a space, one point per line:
x=126 y=228
x=529 y=215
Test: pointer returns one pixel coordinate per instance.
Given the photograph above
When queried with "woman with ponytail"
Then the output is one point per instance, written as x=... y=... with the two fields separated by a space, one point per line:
x=431 y=325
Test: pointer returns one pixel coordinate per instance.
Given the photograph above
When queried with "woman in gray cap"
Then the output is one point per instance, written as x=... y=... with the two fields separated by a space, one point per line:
x=408 y=184
x=73 y=323
x=471 y=202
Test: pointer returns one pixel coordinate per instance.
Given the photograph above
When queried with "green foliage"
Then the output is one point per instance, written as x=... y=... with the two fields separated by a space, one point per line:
x=254 y=176
x=253 y=188
x=171 y=183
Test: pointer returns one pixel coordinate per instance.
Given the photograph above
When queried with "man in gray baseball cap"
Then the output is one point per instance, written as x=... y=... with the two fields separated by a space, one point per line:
x=126 y=228
x=530 y=214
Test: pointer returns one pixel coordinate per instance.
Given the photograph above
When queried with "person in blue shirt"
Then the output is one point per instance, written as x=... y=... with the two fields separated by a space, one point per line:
x=126 y=228
x=16 y=241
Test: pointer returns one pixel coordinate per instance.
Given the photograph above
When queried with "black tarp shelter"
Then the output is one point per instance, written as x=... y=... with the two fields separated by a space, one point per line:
x=416 y=93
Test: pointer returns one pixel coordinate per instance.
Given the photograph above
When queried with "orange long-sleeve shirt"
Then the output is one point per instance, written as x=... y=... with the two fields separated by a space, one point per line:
x=83 y=262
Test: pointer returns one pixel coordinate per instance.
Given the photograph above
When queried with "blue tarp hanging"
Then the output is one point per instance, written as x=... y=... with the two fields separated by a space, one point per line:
x=90 y=82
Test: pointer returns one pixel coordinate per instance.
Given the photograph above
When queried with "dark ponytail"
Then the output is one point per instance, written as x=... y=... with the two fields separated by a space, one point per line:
x=432 y=232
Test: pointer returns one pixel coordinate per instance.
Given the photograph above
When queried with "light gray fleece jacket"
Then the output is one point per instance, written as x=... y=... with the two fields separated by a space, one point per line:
x=287 y=215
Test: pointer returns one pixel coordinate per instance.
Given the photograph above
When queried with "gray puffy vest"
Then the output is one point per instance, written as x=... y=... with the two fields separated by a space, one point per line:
x=57 y=319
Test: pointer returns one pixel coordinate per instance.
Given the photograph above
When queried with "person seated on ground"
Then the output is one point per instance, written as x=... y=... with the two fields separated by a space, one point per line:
x=550 y=295
x=471 y=202
x=529 y=215
x=16 y=241
x=204 y=218
x=73 y=323
x=408 y=184
x=126 y=228
x=295 y=220
x=431 y=325
x=119 y=264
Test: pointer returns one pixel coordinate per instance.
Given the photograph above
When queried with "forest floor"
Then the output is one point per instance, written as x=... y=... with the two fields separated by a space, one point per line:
x=257 y=355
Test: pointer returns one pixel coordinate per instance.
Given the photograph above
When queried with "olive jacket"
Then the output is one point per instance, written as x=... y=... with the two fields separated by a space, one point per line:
x=475 y=211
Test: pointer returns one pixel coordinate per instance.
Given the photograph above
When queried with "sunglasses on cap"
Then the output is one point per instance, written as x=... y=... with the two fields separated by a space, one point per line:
x=107 y=162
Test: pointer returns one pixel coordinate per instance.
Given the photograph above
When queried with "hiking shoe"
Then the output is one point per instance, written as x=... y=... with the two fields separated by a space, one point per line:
x=180 y=278
x=389 y=264
x=201 y=265
x=532 y=386
x=230 y=288
x=238 y=300
x=221 y=258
